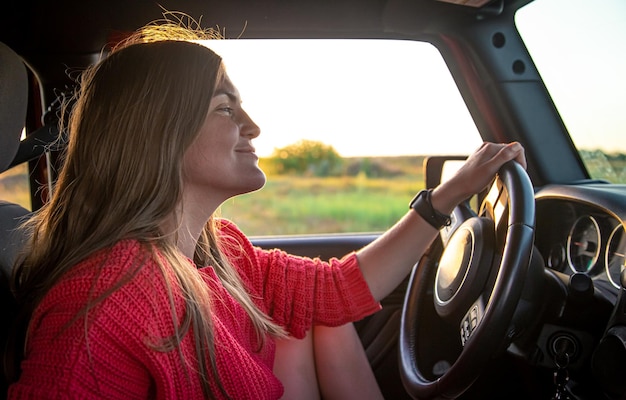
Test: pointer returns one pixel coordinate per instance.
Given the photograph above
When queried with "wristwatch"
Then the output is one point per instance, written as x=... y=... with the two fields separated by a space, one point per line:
x=422 y=204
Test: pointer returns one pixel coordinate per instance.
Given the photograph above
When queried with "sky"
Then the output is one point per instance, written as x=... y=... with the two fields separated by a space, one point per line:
x=398 y=98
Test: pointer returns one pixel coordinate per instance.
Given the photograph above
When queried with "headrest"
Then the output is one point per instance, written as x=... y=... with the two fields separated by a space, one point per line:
x=13 y=103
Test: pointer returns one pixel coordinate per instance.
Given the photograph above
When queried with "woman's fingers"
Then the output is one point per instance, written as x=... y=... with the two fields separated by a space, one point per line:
x=489 y=157
x=478 y=171
x=513 y=151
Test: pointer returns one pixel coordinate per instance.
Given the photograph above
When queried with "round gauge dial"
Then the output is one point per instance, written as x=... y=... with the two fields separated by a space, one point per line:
x=614 y=255
x=583 y=244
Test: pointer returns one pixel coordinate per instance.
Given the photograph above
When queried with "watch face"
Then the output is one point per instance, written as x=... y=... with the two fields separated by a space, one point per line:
x=414 y=200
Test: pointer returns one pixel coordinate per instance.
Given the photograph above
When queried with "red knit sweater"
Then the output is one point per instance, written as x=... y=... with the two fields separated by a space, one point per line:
x=109 y=354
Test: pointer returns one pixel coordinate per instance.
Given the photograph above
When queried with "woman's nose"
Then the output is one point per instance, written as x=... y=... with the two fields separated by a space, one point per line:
x=248 y=127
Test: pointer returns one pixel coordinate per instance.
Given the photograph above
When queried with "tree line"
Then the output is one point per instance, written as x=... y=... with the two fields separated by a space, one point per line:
x=313 y=158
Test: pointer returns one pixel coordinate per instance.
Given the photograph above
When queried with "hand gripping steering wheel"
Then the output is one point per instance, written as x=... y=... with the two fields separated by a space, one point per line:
x=458 y=308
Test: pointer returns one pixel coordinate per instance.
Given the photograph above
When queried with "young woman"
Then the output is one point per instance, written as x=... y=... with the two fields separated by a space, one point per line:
x=134 y=290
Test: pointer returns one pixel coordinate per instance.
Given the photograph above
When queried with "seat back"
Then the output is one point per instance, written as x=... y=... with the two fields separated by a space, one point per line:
x=13 y=105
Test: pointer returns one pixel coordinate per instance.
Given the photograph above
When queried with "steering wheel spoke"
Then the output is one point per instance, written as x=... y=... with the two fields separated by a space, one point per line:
x=461 y=213
x=471 y=320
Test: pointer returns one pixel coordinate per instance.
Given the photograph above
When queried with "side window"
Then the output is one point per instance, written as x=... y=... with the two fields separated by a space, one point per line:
x=345 y=126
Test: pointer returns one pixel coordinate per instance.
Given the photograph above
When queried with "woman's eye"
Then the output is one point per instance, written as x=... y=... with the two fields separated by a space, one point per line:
x=227 y=110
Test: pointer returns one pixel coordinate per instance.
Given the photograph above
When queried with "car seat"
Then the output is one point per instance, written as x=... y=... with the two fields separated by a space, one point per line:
x=13 y=105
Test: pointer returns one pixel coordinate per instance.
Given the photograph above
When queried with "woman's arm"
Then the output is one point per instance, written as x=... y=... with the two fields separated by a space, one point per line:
x=389 y=259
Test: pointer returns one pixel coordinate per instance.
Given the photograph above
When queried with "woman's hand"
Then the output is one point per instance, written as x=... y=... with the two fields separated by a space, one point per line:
x=476 y=174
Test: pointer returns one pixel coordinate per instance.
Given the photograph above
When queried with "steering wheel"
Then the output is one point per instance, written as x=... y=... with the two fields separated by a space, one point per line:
x=458 y=308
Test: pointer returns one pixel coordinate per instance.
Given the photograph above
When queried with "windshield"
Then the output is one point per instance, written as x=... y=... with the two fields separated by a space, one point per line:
x=578 y=48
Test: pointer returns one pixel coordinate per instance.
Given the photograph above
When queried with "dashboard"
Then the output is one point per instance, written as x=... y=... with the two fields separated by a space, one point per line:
x=580 y=229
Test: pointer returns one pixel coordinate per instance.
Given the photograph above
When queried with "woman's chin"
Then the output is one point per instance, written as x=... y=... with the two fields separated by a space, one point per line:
x=255 y=182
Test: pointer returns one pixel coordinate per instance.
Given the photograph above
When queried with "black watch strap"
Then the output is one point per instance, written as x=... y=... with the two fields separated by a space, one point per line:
x=422 y=204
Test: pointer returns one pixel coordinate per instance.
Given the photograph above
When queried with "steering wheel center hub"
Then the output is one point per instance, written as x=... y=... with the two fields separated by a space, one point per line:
x=464 y=267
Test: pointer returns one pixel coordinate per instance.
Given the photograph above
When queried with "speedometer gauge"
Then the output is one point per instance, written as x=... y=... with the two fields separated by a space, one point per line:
x=583 y=244
x=614 y=256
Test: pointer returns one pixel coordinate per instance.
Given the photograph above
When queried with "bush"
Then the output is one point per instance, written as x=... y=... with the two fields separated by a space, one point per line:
x=306 y=157
x=371 y=168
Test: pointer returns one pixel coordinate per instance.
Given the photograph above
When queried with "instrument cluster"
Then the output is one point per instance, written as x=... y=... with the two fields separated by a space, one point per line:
x=577 y=238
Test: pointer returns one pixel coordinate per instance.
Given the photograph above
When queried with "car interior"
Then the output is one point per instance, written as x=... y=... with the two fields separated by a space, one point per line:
x=536 y=307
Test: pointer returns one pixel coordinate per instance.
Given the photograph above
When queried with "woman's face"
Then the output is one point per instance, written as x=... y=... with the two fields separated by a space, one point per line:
x=221 y=162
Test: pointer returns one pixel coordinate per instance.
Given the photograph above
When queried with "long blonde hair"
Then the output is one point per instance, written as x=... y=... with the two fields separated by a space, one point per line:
x=137 y=112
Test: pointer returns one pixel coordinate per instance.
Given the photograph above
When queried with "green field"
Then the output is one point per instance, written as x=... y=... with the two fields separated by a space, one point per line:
x=349 y=203
x=292 y=205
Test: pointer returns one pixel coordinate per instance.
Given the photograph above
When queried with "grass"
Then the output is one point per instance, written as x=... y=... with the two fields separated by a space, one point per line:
x=305 y=204
x=299 y=205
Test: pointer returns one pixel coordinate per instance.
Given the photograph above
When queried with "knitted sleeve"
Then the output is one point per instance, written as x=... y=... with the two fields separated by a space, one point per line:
x=299 y=292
